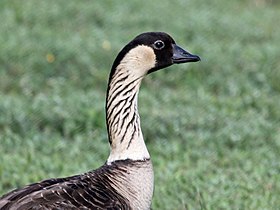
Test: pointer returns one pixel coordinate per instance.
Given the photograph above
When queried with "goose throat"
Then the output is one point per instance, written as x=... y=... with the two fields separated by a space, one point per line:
x=123 y=120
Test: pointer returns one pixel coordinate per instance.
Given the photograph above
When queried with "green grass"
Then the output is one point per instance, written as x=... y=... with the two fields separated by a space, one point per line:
x=213 y=128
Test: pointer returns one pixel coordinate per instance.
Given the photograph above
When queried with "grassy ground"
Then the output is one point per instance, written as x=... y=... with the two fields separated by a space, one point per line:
x=212 y=129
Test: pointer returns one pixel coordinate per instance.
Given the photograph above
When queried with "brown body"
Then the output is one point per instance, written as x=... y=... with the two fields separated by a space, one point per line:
x=103 y=188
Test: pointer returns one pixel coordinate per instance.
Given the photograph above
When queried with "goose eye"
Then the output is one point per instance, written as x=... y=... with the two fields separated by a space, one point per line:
x=159 y=45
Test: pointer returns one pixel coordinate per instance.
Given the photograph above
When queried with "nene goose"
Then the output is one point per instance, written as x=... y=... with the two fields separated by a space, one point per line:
x=125 y=181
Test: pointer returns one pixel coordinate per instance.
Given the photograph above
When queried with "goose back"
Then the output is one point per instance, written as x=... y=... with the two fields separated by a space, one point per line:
x=103 y=188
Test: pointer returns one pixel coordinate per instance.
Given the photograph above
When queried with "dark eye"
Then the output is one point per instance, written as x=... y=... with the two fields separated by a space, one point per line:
x=159 y=45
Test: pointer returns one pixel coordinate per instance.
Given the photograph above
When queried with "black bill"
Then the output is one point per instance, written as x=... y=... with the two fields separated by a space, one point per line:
x=182 y=56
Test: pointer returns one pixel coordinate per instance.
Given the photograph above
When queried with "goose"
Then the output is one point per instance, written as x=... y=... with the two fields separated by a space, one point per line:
x=126 y=180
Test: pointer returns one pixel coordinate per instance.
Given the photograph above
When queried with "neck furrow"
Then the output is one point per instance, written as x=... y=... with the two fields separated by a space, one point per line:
x=123 y=121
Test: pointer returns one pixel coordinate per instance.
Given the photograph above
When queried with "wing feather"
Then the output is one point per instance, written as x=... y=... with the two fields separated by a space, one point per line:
x=92 y=190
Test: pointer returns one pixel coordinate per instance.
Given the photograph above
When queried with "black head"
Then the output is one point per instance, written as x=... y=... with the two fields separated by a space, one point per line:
x=165 y=49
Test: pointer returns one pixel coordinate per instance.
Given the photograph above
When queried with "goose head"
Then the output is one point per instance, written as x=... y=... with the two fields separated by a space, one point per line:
x=149 y=52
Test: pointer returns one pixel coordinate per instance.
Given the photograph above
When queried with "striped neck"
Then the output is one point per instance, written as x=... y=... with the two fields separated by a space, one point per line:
x=123 y=121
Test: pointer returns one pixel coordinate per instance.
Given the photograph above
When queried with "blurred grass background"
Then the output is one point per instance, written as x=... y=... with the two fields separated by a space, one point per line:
x=212 y=130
